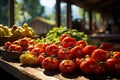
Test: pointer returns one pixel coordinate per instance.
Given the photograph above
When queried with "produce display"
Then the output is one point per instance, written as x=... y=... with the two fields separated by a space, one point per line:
x=16 y=31
x=67 y=51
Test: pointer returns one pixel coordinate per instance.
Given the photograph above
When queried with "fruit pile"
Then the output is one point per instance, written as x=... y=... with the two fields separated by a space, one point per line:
x=69 y=55
x=16 y=31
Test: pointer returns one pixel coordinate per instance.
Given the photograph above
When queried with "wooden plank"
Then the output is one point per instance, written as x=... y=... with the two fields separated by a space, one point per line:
x=24 y=73
x=37 y=73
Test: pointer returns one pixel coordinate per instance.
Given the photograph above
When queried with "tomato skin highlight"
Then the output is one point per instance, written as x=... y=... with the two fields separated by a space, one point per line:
x=67 y=66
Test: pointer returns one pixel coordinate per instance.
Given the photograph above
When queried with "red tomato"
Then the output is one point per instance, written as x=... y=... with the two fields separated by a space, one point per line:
x=68 y=42
x=24 y=44
x=41 y=57
x=7 y=44
x=51 y=50
x=12 y=47
x=50 y=64
x=37 y=51
x=30 y=47
x=100 y=55
x=106 y=46
x=78 y=62
x=18 y=48
x=89 y=49
x=64 y=53
x=81 y=42
x=88 y=65
x=17 y=42
x=67 y=66
x=100 y=69
x=113 y=65
x=77 y=51
x=63 y=36
x=116 y=55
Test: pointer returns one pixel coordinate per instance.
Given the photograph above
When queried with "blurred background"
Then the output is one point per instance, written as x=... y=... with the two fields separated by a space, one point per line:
x=89 y=16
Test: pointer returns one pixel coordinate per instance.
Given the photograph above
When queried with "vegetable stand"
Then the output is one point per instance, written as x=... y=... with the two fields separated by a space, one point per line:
x=37 y=73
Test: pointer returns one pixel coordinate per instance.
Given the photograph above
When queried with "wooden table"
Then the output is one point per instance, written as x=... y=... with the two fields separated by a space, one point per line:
x=37 y=73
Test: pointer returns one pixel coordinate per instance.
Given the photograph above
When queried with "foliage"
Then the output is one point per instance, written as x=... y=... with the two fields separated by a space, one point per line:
x=4 y=12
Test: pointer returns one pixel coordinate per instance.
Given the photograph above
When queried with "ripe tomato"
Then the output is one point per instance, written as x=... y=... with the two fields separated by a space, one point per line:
x=37 y=51
x=63 y=36
x=113 y=65
x=67 y=66
x=100 y=55
x=106 y=46
x=24 y=44
x=81 y=42
x=7 y=44
x=64 y=53
x=12 y=47
x=78 y=62
x=88 y=65
x=89 y=49
x=30 y=47
x=77 y=51
x=116 y=55
x=51 y=50
x=18 y=48
x=68 y=42
x=100 y=69
x=41 y=57
x=50 y=63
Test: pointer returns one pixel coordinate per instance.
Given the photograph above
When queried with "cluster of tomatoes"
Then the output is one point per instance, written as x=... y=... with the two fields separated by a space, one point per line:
x=69 y=55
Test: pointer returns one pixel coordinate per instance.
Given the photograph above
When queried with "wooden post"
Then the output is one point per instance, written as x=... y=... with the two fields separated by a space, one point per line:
x=90 y=19
x=11 y=12
x=69 y=18
x=58 y=19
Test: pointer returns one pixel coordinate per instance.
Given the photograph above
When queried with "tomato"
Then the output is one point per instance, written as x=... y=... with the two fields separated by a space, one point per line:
x=18 y=48
x=41 y=57
x=67 y=66
x=64 y=53
x=68 y=42
x=89 y=49
x=77 y=51
x=113 y=65
x=37 y=51
x=30 y=47
x=7 y=44
x=17 y=42
x=51 y=50
x=12 y=47
x=78 y=62
x=100 y=55
x=81 y=42
x=88 y=65
x=24 y=44
x=50 y=63
x=63 y=36
x=100 y=69
x=116 y=55
x=106 y=46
